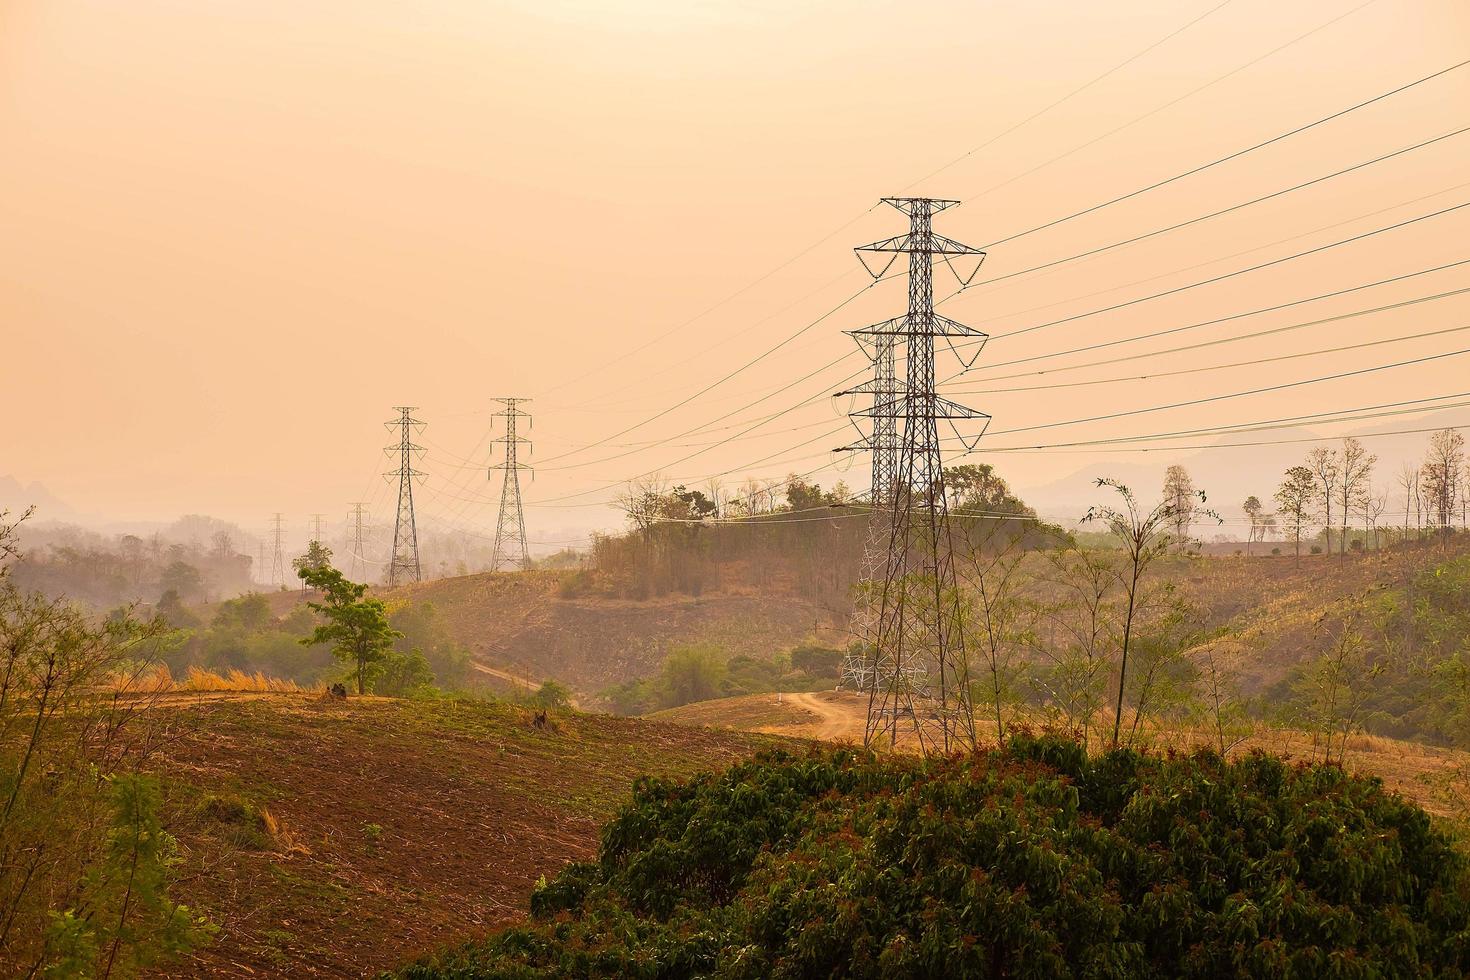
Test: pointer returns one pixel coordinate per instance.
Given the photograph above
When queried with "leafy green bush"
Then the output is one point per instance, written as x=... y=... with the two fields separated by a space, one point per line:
x=1032 y=861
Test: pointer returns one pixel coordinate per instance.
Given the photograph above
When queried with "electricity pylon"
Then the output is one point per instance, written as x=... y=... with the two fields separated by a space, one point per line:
x=882 y=442
x=316 y=523
x=919 y=672
x=278 y=556
x=357 y=568
x=403 y=565
x=260 y=562
x=510 y=526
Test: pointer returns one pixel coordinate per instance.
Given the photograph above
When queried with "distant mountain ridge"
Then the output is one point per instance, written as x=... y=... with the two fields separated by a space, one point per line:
x=16 y=497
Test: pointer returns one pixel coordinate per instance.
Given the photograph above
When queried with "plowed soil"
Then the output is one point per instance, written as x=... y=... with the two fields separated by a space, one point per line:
x=389 y=827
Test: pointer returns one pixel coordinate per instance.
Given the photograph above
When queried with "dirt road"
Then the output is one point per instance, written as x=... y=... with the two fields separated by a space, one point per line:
x=841 y=715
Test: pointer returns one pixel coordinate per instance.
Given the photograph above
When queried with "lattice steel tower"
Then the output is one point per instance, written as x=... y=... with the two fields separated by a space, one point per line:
x=919 y=676
x=278 y=556
x=357 y=567
x=510 y=528
x=882 y=442
x=403 y=565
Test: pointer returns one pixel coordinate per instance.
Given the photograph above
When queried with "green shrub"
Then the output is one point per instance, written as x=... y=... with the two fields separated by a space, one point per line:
x=552 y=694
x=1034 y=861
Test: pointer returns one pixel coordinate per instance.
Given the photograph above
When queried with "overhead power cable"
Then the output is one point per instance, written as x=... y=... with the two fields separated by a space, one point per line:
x=1235 y=339
x=1227 y=275
x=851 y=221
x=1223 y=211
x=1226 y=159
x=1171 y=103
x=1068 y=97
x=1101 y=345
x=1234 y=394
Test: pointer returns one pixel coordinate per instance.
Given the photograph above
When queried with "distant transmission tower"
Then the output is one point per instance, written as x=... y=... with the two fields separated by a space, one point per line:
x=260 y=562
x=278 y=556
x=403 y=566
x=357 y=567
x=919 y=672
x=316 y=522
x=510 y=528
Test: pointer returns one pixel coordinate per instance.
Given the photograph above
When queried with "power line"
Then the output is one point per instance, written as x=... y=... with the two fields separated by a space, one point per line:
x=1167 y=105
x=1223 y=211
x=1250 y=363
x=1228 y=275
x=1116 y=306
x=710 y=387
x=1063 y=320
x=845 y=225
x=1070 y=95
x=1232 y=156
x=1206 y=323
x=1235 y=394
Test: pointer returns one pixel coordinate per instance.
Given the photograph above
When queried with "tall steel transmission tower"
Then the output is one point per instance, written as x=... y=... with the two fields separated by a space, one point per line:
x=918 y=676
x=510 y=526
x=882 y=442
x=403 y=565
x=357 y=566
x=316 y=523
x=278 y=556
x=260 y=562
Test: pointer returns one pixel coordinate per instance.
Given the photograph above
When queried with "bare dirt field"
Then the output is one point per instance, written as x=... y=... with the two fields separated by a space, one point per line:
x=334 y=839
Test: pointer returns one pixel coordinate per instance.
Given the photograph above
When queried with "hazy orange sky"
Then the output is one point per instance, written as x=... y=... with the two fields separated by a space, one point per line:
x=236 y=234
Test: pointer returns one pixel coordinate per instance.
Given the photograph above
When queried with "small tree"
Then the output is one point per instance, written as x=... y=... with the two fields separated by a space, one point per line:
x=1331 y=691
x=1144 y=535
x=1442 y=476
x=1357 y=468
x=1295 y=497
x=357 y=628
x=318 y=556
x=1322 y=464
x=1179 y=495
x=1252 y=508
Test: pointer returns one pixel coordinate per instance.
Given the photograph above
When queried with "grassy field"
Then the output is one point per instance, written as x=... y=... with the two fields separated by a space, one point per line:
x=330 y=838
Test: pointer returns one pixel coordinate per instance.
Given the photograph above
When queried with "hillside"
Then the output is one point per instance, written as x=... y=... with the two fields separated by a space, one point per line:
x=520 y=623
x=331 y=838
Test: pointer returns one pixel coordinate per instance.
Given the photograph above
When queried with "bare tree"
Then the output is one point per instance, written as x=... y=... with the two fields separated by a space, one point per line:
x=1330 y=694
x=1144 y=535
x=1356 y=468
x=1220 y=707
x=1408 y=482
x=644 y=501
x=1442 y=470
x=1323 y=464
x=1179 y=495
x=1081 y=623
x=715 y=491
x=1374 y=504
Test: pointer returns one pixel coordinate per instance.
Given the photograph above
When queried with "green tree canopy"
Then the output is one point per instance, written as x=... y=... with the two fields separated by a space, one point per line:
x=356 y=628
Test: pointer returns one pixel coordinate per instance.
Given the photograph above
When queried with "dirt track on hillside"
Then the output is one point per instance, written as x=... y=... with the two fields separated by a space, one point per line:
x=842 y=716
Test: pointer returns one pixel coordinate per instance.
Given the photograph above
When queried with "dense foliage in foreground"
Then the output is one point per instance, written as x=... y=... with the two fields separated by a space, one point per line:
x=1033 y=861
